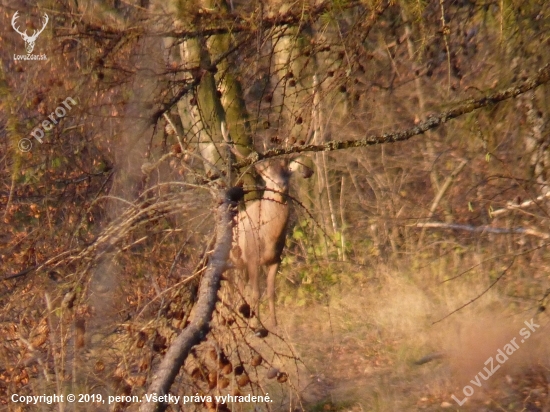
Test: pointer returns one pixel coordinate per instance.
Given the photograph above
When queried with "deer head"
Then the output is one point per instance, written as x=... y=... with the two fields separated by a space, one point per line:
x=29 y=40
x=276 y=175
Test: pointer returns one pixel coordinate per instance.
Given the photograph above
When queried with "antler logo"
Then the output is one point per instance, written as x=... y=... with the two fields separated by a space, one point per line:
x=29 y=40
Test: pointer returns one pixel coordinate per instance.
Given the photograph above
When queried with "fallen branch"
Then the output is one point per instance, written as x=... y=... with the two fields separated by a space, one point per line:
x=484 y=229
x=523 y=205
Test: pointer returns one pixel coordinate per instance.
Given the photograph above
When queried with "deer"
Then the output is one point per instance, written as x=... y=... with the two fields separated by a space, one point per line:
x=260 y=232
x=29 y=40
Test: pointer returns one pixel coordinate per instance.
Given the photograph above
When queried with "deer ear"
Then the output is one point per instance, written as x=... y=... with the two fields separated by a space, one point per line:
x=301 y=165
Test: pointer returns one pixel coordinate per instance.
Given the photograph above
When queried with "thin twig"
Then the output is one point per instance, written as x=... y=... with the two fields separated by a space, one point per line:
x=480 y=295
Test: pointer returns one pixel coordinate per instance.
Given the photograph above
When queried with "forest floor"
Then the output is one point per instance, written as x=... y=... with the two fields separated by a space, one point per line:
x=361 y=347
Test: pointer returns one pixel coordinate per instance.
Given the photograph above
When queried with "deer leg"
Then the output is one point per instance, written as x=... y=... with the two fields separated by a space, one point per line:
x=238 y=285
x=272 y=272
x=253 y=279
x=241 y=283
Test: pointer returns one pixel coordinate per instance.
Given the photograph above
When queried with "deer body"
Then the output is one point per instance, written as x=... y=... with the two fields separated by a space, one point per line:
x=260 y=232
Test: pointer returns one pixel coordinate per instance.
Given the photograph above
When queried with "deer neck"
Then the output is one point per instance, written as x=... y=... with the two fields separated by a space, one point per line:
x=275 y=195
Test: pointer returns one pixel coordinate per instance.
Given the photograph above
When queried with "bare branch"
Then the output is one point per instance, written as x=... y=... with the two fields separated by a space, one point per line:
x=467 y=106
x=510 y=206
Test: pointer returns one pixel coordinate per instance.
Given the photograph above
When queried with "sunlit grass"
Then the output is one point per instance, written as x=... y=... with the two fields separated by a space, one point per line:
x=361 y=341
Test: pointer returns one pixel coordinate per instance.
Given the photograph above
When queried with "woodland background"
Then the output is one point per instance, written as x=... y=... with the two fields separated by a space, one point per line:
x=107 y=225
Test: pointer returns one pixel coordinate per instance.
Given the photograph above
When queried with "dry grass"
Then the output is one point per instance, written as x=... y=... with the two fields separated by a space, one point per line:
x=361 y=345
